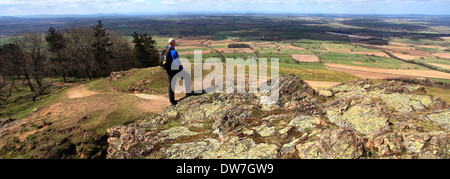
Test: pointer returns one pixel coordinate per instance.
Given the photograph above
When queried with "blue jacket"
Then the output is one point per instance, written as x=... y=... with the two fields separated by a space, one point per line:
x=175 y=58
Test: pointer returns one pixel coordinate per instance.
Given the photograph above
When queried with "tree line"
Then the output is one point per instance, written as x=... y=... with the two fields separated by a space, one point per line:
x=79 y=52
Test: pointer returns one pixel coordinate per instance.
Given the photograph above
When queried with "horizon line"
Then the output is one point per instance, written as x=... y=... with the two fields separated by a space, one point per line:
x=211 y=13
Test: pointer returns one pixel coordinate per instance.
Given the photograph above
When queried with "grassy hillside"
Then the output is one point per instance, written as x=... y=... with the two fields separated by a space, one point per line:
x=64 y=127
x=19 y=104
x=146 y=80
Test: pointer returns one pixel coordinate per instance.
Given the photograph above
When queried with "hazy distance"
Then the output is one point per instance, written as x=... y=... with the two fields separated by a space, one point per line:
x=83 y=7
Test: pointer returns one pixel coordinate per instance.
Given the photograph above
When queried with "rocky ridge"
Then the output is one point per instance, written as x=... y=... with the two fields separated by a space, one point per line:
x=357 y=119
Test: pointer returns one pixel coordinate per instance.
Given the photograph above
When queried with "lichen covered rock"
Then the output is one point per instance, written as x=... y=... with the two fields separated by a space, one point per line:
x=231 y=148
x=357 y=119
x=332 y=144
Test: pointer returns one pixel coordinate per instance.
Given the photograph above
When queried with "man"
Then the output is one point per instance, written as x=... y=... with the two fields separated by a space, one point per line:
x=175 y=62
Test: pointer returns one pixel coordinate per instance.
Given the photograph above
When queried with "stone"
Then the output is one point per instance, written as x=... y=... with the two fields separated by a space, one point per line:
x=115 y=75
x=264 y=130
x=232 y=148
x=364 y=120
x=176 y=132
x=289 y=148
x=441 y=118
x=303 y=123
x=326 y=93
x=432 y=145
x=332 y=144
x=360 y=120
x=4 y=121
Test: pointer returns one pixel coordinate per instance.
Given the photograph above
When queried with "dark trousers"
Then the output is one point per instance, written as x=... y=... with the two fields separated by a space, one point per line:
x=187 y=84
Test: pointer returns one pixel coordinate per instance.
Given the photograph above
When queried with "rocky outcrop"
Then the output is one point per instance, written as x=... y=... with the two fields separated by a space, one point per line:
x=357 y=119
x=115 y=76
x=5 y=121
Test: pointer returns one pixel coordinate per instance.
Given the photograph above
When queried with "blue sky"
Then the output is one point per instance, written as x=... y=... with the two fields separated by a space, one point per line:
x=31 y=7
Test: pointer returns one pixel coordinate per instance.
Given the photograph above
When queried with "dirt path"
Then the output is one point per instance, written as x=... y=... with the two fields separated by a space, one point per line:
x=321 y=84
x=146 y=102
x=152 y=103
x=79 y=92
x=83 y=104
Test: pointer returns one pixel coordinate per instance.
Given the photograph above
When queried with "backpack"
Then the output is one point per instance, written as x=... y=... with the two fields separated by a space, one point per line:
x=165 y=61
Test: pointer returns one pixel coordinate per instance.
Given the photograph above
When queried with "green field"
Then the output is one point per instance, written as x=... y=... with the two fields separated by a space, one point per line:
x=347 y=47
x=318 y=74
x=309 y=45
x=434 y=60
x=5 y=41
x=318 y=66
x=192 y=49
x=364 y=60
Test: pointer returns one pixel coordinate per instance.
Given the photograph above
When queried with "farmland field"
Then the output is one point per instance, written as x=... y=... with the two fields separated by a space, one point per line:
x=324 y=42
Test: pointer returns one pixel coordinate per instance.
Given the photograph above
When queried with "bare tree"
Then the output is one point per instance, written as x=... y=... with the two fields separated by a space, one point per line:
x=122 y=52
x=79 y=50
x=33 y=47
x=14 y=63
x=3 y=68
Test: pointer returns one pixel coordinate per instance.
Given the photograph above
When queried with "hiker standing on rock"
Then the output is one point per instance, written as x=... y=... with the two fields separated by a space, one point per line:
x=171 y=63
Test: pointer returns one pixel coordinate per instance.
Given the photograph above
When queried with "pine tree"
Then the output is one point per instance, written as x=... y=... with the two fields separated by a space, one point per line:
x=57 y=44
x=145 y=52
x=101 y=45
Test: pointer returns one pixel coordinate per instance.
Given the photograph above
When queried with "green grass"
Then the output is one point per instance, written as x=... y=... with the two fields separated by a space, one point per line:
x=217 y=46
x=310 y=45
x=192 y=49
x=205 y=56
x=318 y=66
x=429 y=49
x=147 y=80
x=440 y=80
x=421 y=41
x=265 y=49
x=434 y=60
x=349 y=47
x=295 y=51
x=123 y=113
x=283 y=58
x=318 y=75
x=5 y=41
x=19 y=104
x=364 y=60
x=439 y=92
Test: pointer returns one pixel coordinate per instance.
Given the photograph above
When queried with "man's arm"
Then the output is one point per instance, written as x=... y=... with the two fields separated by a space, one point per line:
x=176 y=59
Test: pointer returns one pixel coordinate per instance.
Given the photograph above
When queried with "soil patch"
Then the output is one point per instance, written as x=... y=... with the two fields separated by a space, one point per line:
x=378 y=73
x=440 y=65
x=321 y=84
x=442 y=55
x=79 y=92
x=152 y=103
x=305 y=58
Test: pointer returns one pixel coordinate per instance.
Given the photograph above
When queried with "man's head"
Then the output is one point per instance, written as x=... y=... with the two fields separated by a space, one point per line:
x=172 y=42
